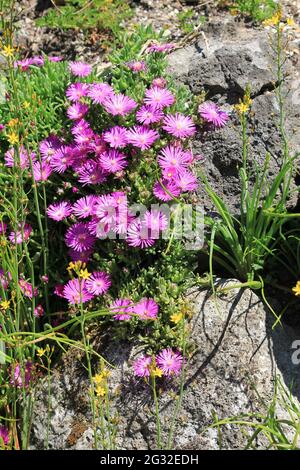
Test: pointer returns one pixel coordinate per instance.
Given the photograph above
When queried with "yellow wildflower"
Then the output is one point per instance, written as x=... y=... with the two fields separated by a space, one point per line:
x=84 y=274
x=100 y=391
x=71 y=266
x=274 y=20
x=12 y=138
x=176 y=317
x=8 y=51
x=5 y=304
x=296 y=289
x=290 y=22
x=13 y=122
x=26 y=105
x=41 y=352
x=156 y=372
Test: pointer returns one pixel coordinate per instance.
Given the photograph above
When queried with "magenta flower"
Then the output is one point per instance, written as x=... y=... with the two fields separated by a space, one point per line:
x=21 y=376
x=142 y=137
x=116 y=137
x=55 y=58
x=59 y=210
x=98 y=145
x=48 y=147
x=165 y=190
x=146 y=309
x=3 y=227
x=62 y=159
x=76 y=91
x=160 y=82
x=213 y=114
x=38 y=61
x=119 y=105
x=79 y=238
x=159 y=97
x=172 y=157
x=186 y=181
x=80 y=127
x=137 y=65
x=77 y=110
x=160 y=47
x=80 y=69
x=98 y=283
x=83 y=139
x=4 y=435
x=98 y=228
x=23 y=159
x=113 y=161
x=41 y=171
x=179 y=125
x=99 y=92
x=27 y=289
x=155 y=221
x=142 y=366
x=59 y=290
x=85 y=206
x=138 y=235
x=91 y=173
x=18 y=237
x=122 y=308
x=24 y=64
x=76 y=293
x=149 y=114
x=39 y=311
x=105 y=208
x=169 y=362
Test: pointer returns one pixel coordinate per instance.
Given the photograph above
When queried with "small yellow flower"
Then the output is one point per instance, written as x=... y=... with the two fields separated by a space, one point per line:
x=274 y=20
x=156 y=372
x=8 y=51
x=98 y=379
x=41 y=352
x=290 y=21
x=26 y=105
x=176 y=317
x=5 y=304
x=84 y=274
x=71 y=266
x=296 y=289
x=13 y=122
x=100 y=391
x=12 y=138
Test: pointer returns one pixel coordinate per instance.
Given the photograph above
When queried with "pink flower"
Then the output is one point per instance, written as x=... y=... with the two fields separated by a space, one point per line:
x=146 y=309
x=3 y=227
x=91 y=173
x=155 y=221
x=79 y=238
x=113 y=161
x=137 y=66
x=149 y=114
x=105 y=208
x=38 y=311
x=48 y=147
x=98 y=283
x=41 y=171
x=77 y=110
x=21 y=376
x=160 y=47
x=80 y=127
x=80 y=69
x=172 y=157
x=62 y=159
x=169 y=362
x=166 y=190
x=45 y=278
x=159 y=97
x=27 y=289
x=55 y=58
x=38 y=61
x=75 y=292
x=59 y=211
x=18 y=237
x=179 y=125
x=160 y=82
x=84 y=138
x=23 y=64
x=142 y=137
x=122 y=308
x=138 y=235
x=76 y=91
x=98 y=145
x=186 y=181
x=4 y=435
x=23 y=159
x=116 y=137
x=213 y=114
x=119 y=105
x=142 y=366
x=85 y=206
x=59 y=290
x=99 y=92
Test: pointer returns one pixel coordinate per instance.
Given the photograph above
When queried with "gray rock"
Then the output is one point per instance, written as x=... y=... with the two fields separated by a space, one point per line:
x=235 y=351
x=222 y=63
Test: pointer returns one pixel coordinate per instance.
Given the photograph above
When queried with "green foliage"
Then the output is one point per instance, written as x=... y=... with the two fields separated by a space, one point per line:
x=187 y=21
x=258 y=10
x=83 y=14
